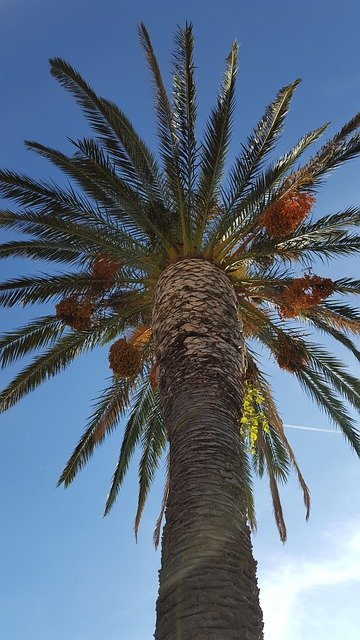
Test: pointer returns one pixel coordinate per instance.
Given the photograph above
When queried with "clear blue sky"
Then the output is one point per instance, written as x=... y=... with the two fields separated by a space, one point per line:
x=66 y=572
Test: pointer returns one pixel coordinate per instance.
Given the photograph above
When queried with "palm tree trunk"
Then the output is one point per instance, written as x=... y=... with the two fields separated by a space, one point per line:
x=208 y=586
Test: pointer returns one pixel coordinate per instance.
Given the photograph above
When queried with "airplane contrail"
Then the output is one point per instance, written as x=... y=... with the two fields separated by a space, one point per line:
x=295 y=426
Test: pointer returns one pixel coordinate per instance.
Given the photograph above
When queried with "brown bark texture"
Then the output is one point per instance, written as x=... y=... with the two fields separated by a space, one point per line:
x=208 y=587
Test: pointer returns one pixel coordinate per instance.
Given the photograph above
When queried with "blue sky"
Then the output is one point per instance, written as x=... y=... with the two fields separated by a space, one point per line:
x=66 y=572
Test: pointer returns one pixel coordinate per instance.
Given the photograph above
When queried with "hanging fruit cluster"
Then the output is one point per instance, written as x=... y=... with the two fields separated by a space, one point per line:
x=76 y=313
x=303 y=293
x=104 y=269
x=284 y=215
x=253 y=417
x=291 y=354
x=125 y=356
x=124 y=359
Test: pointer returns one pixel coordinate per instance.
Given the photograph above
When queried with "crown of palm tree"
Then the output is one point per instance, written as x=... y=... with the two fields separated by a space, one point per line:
x=127 y=217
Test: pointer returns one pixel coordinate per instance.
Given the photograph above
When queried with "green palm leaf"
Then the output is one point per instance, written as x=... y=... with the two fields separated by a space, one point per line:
x=116 y=132
x=33 y=289
x=43 y=250
x=317 y=387
x=110 y=407
x=38 y=333
x=142 y=412
x=321 y=323
x=184 y=109
x=215 y=146
x=259 y=144
x=98 y=179
x=157 y=530
x=169 y=147
x=153 y=444
x=44 y=367
x=336 y=374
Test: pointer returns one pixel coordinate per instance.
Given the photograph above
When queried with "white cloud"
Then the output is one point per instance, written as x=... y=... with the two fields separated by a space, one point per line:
x=284 y=588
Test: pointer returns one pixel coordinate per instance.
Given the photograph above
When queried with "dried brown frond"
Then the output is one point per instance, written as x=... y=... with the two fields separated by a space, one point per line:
x=253 y=318
x=250 y=329
x=214 y=210
x=100 y=431
x=254 y=323
x=141 y=336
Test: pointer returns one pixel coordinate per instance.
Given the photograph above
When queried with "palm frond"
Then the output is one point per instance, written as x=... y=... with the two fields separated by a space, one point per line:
x=169 y=145
x=259 y=144
x=247 y=490
x=319 y=380
x=321 y=322
x=97 y=178
x=142 y=407
x=154 y=441
x=110 y=407
x=275 y=496
x=28 y=290
x=327 y=237
x=244 y=216
x=52 y=228
x=278 y=426
x=347 y=285
x=332 y=154
x=97 y=167
x=336 y=374
x=117 y=134
x=44 y=367
x=38 y=333
x=89 y=239
x=341 y=316
x=215 y=145
x=157 y=530
x=332 y=223
x=184 y=99
x=316 y=385
x=43 y=250
x=46 y=196
x=61 y=354
x=273 y=452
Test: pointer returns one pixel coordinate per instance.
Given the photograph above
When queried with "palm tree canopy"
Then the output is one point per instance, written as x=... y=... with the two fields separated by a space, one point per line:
x=129 y=213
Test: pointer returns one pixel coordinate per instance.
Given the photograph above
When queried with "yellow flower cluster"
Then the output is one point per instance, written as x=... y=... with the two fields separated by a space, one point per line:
x=253 y=416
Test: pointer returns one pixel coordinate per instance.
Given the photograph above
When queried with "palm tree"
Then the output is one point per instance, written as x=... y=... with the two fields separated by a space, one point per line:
x=187 y=275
